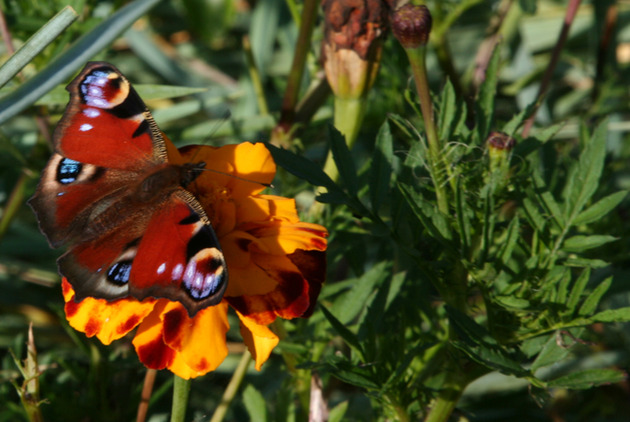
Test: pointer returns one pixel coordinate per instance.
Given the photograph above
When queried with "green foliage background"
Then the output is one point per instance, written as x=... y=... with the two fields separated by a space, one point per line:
x=512 y=305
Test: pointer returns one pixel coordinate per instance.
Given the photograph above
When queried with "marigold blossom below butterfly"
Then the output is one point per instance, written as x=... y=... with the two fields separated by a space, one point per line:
x=109 y=193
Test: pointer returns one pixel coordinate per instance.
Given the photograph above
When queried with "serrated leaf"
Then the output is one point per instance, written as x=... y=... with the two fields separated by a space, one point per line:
x=588 y=378
x=430 y=217
x=492 y=357
x=534 y=217
x=381 y=167
x=585 y=262
x=349 y=304
x=337 y=413
x=600 y=208
x=512 y=302
x=513 y=235
x=343 y=159
x=584 y=179
x=468 y=328
x=592 y=300
x=563 y=286
x=487 y=94
x=303 y=168
x=448 y=110
x=582 y=243
x=255 y=404
x=552 y=353
x=349 y=337
x=578 y=289
x=612 y=315
x=355 y=377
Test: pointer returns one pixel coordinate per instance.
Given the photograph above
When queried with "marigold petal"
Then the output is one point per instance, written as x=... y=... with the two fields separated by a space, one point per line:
x=199 y=341
x=260 y=340
x=264 y=208
x=279 y=238
x=289 y=299
x=108 y=321
x=188 y=347
x=252 y=165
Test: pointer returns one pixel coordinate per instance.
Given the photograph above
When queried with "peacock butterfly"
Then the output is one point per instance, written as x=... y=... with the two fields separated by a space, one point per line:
x=110 y=194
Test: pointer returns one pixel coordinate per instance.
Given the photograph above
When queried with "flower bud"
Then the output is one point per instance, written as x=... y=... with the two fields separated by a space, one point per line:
x=499 y=147
x=352 y=45
x=411 y=25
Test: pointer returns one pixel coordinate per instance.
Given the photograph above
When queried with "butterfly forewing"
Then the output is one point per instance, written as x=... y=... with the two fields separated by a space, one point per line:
x=109 y=192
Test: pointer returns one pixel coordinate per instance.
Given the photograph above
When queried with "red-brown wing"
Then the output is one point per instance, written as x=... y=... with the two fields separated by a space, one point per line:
x=177 y=257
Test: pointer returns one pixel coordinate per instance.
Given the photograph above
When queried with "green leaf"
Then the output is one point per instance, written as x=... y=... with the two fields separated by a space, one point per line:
x=381 y=167
x=492 y=357
x=343 y=160
x=588 y=378
x=448 y=109
x=600 y=208
x=263 y=30
x=349 y=304
x=552 y=352
x=255 y=404
x=512 y=237
x=65 y=65
x=349 y=337
x=583 y=180
x=612 y=315
x=337 y=413
x=36 y=43
x=581 y=243
x=548 y=201
x=428 y=214
x=578 y=289
x=487 y=94
x=533 y=215
x=355 y=376
x=592 y=300
x=563 y=286
x=302 y=168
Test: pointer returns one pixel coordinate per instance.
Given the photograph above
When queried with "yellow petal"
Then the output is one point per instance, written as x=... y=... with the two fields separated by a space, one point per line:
x=260 y=340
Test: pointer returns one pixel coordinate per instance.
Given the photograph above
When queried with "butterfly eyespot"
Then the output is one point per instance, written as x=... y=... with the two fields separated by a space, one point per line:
x=104 y=89
x=204 y=275
x=119 y=273
x=68 y=171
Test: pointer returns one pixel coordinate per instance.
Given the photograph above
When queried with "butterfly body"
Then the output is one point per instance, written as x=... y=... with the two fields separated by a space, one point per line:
x=110 y=194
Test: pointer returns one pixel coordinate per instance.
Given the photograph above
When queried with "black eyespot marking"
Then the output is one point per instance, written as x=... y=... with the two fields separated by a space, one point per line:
x=118 y=273
x=204 y=238
x=131 y=106
x=141 y=129
x=68 y=171
x=191 y=219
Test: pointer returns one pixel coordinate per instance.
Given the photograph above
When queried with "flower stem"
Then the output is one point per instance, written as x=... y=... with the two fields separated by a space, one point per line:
x=181 y=388
x=232 y=388
x=147 y=389
x=417 y=60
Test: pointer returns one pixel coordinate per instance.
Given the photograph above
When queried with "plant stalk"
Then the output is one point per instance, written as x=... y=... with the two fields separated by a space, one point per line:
x=181 y=389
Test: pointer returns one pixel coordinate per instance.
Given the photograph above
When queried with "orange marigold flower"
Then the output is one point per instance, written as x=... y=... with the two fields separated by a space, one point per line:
x=276 y=265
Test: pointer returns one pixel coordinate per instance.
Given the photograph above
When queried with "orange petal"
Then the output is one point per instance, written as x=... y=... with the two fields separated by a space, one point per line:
x=250 y=163
x=200 y=341
x=109 y=321
x=260 y=340
x=289 y=299
x=169 y=338
x=265 y=208
x=280 y=238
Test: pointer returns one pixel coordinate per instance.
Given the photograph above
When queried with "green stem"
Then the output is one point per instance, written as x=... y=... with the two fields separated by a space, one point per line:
x=181 y=388
x=417 y=60
x=232 y=388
